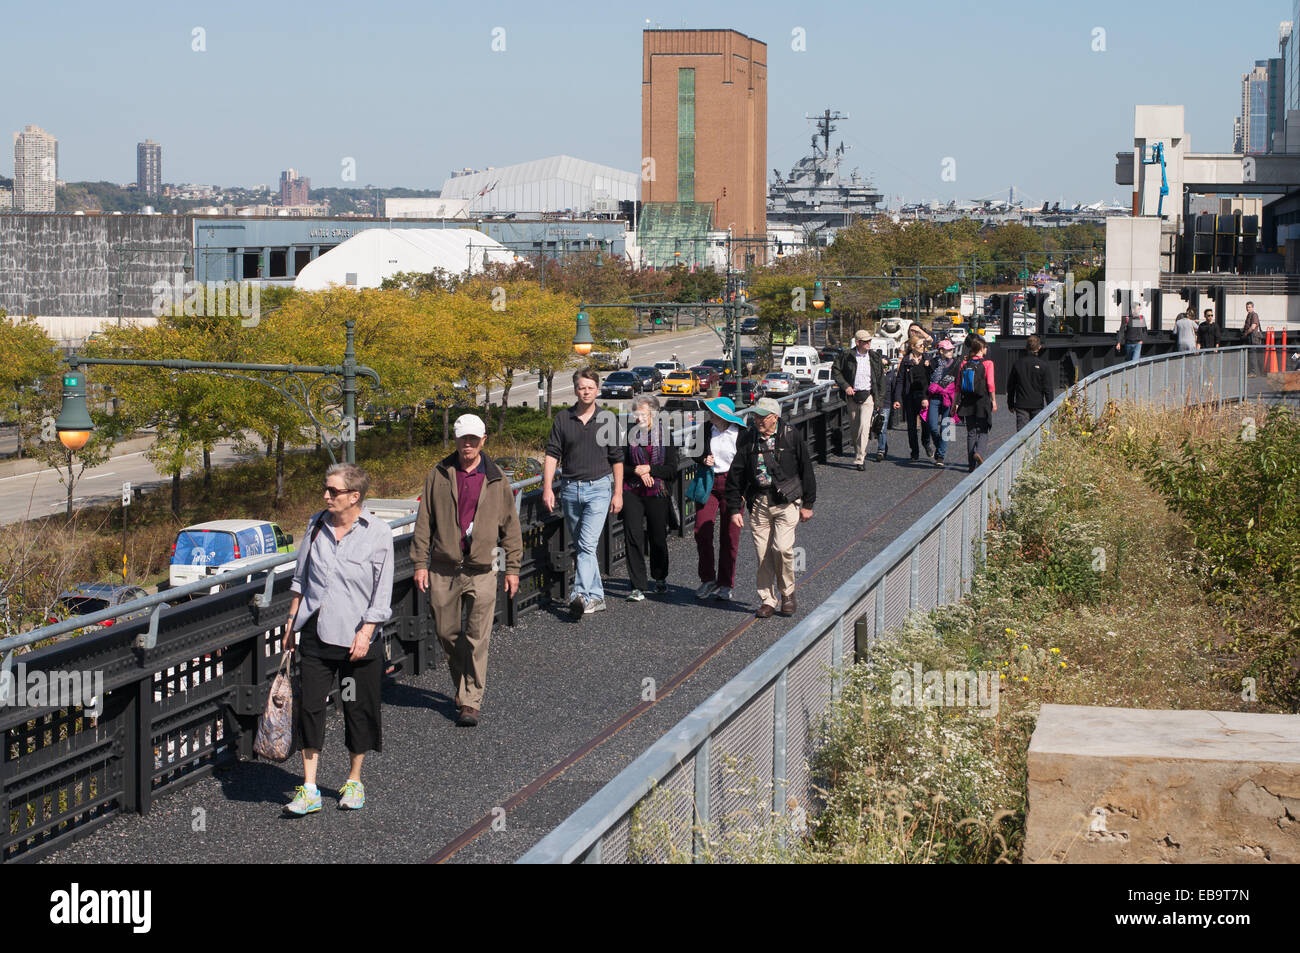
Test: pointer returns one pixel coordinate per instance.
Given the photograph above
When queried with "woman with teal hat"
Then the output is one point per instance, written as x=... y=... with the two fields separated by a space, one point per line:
x=717 y=450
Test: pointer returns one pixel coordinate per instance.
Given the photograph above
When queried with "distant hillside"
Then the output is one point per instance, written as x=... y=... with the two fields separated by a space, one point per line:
x=109 y=197
x=361 y=201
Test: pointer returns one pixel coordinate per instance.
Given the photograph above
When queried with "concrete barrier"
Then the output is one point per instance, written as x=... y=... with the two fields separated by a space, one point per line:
x=1124 y=785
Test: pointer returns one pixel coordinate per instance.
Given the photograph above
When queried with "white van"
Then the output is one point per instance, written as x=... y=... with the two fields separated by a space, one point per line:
x=206 y=549
x=822 y=374
x=800 y=361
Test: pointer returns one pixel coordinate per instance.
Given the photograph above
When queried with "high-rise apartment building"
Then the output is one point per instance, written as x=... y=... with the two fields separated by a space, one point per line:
x=704 y=131
x=1254 y=110
x=36 y=170
x=294 y=189
x=148 y=167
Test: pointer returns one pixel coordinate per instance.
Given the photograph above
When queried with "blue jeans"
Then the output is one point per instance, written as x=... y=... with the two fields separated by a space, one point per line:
x=886 y=408
x=586 y=507
x=936 y=422
x=1132 y=351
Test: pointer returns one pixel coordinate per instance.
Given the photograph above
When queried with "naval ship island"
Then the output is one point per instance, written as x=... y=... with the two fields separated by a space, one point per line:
x=814 y=196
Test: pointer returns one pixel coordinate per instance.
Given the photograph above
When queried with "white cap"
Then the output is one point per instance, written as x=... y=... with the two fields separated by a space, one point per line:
x=469 y=425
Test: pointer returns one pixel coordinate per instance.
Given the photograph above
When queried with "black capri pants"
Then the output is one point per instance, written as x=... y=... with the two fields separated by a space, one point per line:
x=319 y=663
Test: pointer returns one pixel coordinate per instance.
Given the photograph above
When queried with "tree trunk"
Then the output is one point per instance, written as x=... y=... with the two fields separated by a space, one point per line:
x=176 y=494
x=270 y=444
x=505 y=401
x=410 y=431
x=550 y=380
x=446 y=424
x=279 y=467
x=207 y=469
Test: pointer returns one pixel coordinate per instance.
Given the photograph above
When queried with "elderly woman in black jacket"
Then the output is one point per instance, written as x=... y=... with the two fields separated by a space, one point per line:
x=649 y=465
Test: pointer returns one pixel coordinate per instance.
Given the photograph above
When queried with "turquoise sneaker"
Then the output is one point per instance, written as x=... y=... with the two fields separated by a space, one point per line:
x=303 y=802
x=353 y=795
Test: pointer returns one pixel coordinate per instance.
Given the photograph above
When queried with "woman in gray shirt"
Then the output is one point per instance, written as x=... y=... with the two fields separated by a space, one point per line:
x=343 y=593
x=1185 y=332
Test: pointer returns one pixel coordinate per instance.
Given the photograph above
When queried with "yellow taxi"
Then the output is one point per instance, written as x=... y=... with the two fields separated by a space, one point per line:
x=680 y=382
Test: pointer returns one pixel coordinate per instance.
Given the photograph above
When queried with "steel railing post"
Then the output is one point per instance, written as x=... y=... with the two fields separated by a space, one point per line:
x=699 y=842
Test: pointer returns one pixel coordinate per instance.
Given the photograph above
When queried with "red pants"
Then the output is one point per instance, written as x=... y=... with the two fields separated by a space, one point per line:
x=705 y=517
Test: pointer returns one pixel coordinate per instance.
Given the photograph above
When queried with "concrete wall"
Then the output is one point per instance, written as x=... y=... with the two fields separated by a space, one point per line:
x=74 y=265
x=1132 y=260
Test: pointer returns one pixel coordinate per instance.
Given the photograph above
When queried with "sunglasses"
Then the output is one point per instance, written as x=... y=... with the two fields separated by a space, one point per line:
x=333 y=491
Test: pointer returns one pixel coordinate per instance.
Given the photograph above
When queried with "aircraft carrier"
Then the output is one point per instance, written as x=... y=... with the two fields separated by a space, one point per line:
x=815 y=195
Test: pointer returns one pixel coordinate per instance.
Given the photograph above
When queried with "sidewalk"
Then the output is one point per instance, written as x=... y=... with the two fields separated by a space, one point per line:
x=29 y=465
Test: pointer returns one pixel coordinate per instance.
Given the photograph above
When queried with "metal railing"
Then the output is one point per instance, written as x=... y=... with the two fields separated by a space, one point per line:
x=684 y=787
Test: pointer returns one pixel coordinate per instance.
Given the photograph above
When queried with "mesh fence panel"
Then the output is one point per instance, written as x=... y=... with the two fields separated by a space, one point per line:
x=807 y=695
x=740 y=771
x=952 y=577
x=929 y=588
x=897 y=586
x=614 y=845
x=662 y=825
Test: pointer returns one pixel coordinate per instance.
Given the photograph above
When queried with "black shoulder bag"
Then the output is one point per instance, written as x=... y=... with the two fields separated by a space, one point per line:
x=789 y=489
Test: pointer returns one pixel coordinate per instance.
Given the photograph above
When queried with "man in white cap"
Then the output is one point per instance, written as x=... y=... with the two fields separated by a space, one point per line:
x=860 y=374
x=466 y=532
x=772 y=476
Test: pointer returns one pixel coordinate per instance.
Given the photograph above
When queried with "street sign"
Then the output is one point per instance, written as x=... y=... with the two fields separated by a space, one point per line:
x=126 y=493
x=893 y=304
x=952 y=290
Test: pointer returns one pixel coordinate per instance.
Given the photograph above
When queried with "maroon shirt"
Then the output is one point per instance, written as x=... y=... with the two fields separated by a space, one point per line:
x=468 y=487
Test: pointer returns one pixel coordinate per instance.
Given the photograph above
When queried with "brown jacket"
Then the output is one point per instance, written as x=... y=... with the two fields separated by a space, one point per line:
x=436 y=543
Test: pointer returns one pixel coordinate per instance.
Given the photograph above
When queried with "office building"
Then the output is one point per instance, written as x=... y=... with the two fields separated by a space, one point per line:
x=294 y=188
x=148 y=168
x=36 y=170
x=704 y=141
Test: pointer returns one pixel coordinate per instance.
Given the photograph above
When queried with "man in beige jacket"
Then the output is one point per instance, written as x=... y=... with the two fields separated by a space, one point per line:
x=466 y=532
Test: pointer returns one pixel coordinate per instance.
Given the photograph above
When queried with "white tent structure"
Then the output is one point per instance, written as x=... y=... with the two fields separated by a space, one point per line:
x=555 y=184
x=367 y=258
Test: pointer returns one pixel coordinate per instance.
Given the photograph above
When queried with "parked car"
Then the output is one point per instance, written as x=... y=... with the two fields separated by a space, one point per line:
x=748 y=391
x=649 y=377
x=709 y=378
x=778 y=382
x=620 y=384
x=681 y=382
x=206 y=549
x=94 y=597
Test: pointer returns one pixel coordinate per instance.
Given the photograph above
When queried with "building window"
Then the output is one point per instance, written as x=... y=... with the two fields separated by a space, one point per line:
x=686 y=135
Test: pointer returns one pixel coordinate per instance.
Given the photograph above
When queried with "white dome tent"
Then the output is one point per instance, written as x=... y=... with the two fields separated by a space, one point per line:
x=366 y=259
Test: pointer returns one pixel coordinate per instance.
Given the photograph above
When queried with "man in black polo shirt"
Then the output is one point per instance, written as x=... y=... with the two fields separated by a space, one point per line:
x=584 y=443
x=1207 y=332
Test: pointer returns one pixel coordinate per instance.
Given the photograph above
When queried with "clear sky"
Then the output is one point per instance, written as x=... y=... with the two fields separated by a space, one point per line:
x=1010 y=89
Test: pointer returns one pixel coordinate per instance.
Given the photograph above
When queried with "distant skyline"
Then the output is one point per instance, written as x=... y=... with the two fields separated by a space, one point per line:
x=405 y=92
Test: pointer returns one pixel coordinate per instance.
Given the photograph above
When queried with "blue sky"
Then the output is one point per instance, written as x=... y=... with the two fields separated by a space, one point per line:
x=1011 y=90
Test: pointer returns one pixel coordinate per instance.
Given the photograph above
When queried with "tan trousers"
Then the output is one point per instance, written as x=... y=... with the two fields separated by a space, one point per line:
x=861 y=427
x=773 y=525
x=467 y=649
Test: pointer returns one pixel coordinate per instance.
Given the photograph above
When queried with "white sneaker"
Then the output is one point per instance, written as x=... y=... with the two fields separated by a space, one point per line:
x=595 y=605
x=705 y=590
x=636 y=595
x=723 y=593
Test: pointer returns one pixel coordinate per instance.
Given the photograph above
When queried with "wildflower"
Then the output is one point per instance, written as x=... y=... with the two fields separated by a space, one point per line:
x=1056 y=651
x=1009 y=631
x=1062 y=665
x=1003 y=677
x=1025 y=647
x=1024 y=678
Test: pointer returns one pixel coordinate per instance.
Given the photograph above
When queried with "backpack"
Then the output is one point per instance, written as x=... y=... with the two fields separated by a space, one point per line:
x=973 y=381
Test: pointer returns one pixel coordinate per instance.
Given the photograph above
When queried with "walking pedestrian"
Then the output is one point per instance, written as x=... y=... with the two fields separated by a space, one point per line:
x=466 y=532
x=772 y=477
x=1185 y=331
x=1029 y=384
x=942 y=392
x=1132 y=331
x=1252 y=334
x=1207 y=332
x=860 y=374
x=343 y=594
x=720 y=435
x=977 y=400
x=584 y=443
x=649 y=466
x=909 y=393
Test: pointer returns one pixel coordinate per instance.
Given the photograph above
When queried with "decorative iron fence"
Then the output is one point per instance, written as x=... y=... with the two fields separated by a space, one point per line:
x=765 y=719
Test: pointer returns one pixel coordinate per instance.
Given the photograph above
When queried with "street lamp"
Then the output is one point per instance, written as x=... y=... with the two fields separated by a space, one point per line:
x=74 y=424
x=582 y=339
x=818 y=299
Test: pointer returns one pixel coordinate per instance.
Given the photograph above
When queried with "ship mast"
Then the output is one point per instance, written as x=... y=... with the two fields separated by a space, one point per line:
x=824 y=128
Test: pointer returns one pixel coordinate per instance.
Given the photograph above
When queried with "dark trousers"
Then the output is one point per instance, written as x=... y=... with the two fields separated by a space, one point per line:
x=645 y=520
x=712 y=513
x=1023 y=416
x=912 y=404
x=360 y=684
x=977 y=429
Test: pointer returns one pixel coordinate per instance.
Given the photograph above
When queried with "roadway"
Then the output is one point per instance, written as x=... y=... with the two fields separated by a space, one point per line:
x=563 y=712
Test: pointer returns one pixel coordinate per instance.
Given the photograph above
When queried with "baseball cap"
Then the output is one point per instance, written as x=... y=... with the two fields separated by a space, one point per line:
x=764 y=406
x=945 y=345
x=469 y=425
x=862 y=336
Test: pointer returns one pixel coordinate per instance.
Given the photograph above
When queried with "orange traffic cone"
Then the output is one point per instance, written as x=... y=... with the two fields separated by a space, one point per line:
x=1282 y=364
x=1272 y=353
